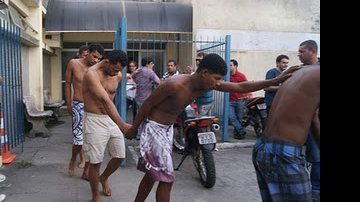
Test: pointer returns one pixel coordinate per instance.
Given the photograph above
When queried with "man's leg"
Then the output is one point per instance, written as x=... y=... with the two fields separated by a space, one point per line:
x=72 y=164
x=313 y=156
x=77 y=131
x=85 y=174
x=94 y=181
x=144 y=189
x=82 y=159
x=163 y=192
x=234 y=120
x=113 y=164
x=240 y=114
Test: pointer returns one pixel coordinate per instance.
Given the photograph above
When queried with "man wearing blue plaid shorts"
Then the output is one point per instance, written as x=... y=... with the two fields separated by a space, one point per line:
x=278 y=158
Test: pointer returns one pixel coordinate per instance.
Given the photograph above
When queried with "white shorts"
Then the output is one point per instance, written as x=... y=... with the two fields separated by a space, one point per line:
x=101 y=131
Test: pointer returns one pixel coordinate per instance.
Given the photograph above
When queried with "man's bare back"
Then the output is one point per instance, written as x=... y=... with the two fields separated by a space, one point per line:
x=181 y=91
x=294 y=106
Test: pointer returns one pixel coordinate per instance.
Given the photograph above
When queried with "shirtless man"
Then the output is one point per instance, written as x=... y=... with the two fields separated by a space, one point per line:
x=277 y=157
x=103 y=126
x=75 y=71
x=160 y=110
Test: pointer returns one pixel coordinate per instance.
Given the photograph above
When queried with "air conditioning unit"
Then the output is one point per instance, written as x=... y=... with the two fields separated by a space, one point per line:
x=4 y=4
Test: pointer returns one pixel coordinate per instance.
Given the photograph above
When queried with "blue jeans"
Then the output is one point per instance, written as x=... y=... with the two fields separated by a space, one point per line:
x=313 y=156
x=236 y=113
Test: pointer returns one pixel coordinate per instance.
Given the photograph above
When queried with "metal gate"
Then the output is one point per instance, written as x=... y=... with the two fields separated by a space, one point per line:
x=182 y=47
x=11 y=90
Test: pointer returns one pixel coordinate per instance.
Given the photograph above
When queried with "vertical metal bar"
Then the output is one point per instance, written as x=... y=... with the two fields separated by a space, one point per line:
x=123 y=47
x=226 y=95
x=7 y=84
x=121 y=44
x=162 y=56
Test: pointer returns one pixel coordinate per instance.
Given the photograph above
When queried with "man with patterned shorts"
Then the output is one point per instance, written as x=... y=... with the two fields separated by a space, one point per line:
x=75 y=72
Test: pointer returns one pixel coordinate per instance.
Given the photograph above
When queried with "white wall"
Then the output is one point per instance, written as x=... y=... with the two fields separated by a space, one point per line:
x=25 y=70
x=47 y=72
x=260 y=29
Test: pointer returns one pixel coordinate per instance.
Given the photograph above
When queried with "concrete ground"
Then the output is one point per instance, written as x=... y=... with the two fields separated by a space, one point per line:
x=39 y=173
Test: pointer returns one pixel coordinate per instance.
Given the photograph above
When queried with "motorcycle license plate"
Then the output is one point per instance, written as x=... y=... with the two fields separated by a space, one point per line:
x=261 y=106
x=206 y=138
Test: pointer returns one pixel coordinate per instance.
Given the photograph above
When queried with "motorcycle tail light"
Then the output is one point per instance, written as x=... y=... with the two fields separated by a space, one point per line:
x=192 y=124
x=204 y=123
x=216 y=120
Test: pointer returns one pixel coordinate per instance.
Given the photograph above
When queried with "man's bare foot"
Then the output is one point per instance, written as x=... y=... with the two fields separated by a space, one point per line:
x=106 y=187
x=81 y=164
x=71 y=169
x=97 y=199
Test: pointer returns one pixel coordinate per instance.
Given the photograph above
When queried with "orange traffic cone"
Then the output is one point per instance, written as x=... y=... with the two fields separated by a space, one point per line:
x=5 y=153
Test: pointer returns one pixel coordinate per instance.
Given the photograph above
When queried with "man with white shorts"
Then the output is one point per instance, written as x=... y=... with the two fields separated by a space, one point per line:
x=103 y=126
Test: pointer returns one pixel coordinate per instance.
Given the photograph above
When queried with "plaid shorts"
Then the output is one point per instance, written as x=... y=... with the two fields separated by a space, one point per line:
x=280 y=170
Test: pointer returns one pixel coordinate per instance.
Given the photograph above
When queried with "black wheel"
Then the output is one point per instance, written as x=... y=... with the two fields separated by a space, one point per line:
x=204 y=163
x=258 y=125
x=179 y=138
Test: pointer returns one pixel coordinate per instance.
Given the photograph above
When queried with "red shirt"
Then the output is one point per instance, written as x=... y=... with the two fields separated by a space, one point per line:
x=237 y=78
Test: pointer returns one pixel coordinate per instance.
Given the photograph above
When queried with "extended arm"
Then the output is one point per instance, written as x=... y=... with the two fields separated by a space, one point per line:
x=250 y=86
x=271 y=88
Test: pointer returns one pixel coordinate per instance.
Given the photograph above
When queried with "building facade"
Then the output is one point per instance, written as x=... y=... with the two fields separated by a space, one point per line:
x=260 y=30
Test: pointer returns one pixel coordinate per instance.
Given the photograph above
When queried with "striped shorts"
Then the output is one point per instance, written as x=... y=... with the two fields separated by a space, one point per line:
x=280 y=170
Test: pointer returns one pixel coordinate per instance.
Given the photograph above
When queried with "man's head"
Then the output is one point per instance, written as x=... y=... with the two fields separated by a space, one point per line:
x=96 y=51
x=199 y=57
x=308 y=52
x=147 y=61
x=282 y=62
x=172 y=66
x=213 y=68
x=83 y=51
x=117 y=61
x=233 y=66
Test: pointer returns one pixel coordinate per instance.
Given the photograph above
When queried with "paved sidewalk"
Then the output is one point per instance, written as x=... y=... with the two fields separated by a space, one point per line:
x=39 y=173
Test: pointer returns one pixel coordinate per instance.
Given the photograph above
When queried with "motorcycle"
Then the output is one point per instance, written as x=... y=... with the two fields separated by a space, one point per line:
x=255 y=114
x=195 y=136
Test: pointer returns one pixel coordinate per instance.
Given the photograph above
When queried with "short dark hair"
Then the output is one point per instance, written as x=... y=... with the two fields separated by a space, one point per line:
x=234 y=62
x=146 y=60
x=83 y=48
x=96 y=47
x=280 y=57
x=214 y=64
x=117 y=56
x=310 y=45
x=171 y=60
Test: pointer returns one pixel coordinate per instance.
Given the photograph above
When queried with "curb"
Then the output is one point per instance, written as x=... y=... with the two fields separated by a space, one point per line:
x=227 y=145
